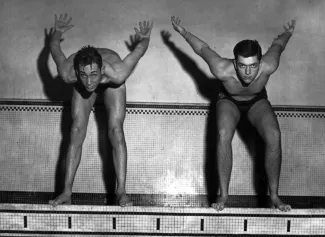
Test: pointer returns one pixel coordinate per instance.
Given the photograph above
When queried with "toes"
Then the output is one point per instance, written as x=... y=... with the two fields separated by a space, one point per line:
x=284 y=208
x=53 y=203
x=125 y=203
x=287 y=208
x=59 y=201
x=218 y=206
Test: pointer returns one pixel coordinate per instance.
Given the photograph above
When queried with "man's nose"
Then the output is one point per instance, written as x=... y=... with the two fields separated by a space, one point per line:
x=248 y=70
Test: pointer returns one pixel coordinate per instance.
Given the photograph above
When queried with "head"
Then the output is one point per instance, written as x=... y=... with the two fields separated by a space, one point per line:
x=248 y=54
x=88 y=67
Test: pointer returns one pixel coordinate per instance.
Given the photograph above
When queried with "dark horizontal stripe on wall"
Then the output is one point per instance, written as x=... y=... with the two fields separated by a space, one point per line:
x=144 y=105
x=120 y=213
x=33 y=102
x=168 y=112
x=161 y=200
x=152 y=111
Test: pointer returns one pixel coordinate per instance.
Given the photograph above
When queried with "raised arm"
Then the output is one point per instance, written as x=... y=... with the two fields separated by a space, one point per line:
x=216 y=63
x=272 y=57
x=62 y=63
x=119 y=71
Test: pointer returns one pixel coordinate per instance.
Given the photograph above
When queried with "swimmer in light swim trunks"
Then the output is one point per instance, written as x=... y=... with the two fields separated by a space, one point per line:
x=244 y=79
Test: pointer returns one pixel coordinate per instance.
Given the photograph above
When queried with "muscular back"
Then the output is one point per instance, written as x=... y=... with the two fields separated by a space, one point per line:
x=108 y=57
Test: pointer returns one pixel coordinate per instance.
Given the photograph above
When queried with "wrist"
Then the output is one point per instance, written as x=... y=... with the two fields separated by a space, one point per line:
x=59 y=31
x=184 y=34
x=144 y=42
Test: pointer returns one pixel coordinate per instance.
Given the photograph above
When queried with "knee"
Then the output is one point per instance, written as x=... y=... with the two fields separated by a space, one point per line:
x=224 y=134
x=78 y=134
x=116 y=133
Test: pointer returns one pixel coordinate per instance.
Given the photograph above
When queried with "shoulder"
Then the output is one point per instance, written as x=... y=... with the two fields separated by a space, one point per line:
x=224 y=68
x=109 y=55
x=69 y=61
x=68 y=73
x=104 y=52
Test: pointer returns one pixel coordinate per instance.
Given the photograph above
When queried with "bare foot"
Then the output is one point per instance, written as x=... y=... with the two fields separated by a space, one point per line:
x=123 y=200
x=277 y=203
x=220 y=204
x=64 y=198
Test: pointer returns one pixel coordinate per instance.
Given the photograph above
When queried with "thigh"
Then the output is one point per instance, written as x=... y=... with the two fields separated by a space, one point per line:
x=228 y=116
x=81 y=106
x=262 y=116
x=115 y=104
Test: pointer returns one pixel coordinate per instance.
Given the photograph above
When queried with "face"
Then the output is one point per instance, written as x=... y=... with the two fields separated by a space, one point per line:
x=247 y=68
x=90 y=76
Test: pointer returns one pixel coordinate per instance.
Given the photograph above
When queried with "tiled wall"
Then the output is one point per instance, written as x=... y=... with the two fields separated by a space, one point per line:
x=170 y=150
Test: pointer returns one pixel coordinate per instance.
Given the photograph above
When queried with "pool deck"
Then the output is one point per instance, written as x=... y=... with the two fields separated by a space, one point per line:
x=83 y=220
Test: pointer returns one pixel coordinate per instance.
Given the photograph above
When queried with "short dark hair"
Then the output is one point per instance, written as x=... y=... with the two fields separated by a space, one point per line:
x=87 y=55
x=248 y=48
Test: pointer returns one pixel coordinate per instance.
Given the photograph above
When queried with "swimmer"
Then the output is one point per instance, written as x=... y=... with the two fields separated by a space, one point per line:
x=244 y=94
x=94 y=71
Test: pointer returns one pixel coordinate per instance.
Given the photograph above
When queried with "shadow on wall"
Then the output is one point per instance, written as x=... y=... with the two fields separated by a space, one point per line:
x=209 y=88
x=57 y=90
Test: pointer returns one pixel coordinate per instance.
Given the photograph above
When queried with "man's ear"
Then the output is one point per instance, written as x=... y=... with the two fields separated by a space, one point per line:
x=235 y=63
x=103 y=69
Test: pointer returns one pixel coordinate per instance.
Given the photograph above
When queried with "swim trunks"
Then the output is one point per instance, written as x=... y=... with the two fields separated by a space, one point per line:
x=243 y=106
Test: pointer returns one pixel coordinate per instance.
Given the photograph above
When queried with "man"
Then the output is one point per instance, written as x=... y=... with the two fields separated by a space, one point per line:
x=244 y=79
x=95 y=71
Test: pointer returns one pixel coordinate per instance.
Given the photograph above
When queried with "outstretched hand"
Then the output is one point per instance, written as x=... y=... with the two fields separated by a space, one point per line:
x=145 y=29
x=176 y=24
x=62 y=24
x=290 y=27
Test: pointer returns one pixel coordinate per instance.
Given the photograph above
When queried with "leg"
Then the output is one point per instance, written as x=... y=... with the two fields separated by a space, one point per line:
x=80 y=108
x=115 y=103
x=228 y=117
x=261 y=115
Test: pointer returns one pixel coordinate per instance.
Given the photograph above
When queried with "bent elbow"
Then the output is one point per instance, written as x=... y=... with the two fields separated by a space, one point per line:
x=67 y=78
x=122 y=76
x=119 y=80
x=199 y=50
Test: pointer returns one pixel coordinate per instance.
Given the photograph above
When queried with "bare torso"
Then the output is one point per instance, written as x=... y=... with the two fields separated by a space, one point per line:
x=237 y=90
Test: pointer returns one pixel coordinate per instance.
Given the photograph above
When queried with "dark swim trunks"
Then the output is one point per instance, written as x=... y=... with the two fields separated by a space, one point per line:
x=243 y=106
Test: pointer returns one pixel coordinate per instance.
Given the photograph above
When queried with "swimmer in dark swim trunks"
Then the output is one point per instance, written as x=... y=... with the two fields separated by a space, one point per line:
x=244 y=79
x=93 y=72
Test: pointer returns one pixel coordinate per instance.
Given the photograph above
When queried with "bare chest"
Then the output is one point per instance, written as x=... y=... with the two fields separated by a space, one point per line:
x=240 y=92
